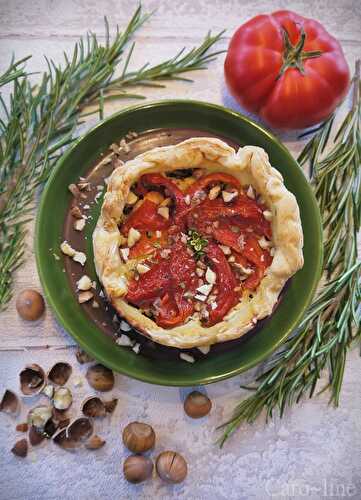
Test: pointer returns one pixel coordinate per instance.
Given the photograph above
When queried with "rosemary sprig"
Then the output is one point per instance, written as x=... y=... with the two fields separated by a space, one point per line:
x=40 y=121
x=196 y=243
x=15 y=70
x=332 y=323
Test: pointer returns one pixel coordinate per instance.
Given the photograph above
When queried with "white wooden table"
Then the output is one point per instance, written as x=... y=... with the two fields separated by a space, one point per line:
x=315 y=451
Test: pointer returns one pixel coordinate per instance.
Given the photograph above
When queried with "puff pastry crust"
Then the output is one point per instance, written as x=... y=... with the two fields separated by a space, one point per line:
x=250 y=165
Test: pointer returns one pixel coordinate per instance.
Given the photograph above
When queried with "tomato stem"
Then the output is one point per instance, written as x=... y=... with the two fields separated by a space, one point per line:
x=294 y=55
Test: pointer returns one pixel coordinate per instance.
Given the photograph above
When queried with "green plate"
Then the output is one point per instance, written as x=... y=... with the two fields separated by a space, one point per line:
x=54 y=205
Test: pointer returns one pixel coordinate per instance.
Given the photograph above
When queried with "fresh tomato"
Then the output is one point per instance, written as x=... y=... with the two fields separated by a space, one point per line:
x=286 y=68
x=225 y=282
x=145 y=218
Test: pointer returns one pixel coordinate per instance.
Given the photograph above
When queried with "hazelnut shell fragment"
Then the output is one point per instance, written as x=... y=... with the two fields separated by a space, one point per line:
x=94 y=443
x=22 y=427
x=59 y=374
x=30 y=305
x=35 y=437
x=137 y=468
x=62 y=398
x=110 y=405
x=83 y=357
x=171 y=467
x=20 y=449
x=100 y=378
x=197 y=405
x=63 y=441
x=138 y=437
x=9 y=402
x=39 y=416
x=93 y=407
x=80 y=429
x=32 y=380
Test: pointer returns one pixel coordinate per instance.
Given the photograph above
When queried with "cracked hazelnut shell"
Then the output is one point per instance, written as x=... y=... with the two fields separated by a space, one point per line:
x=32 y=380
x=9 y=402
x=171 y=467
x=20 y=448
x=93 y=407
x=59 y=374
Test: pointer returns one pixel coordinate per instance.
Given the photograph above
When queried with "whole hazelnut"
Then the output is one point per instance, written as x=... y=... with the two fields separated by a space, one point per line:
x=138 y=437
x=30 y=305
x=137 y=468
x=171 y=467
x=197 y=405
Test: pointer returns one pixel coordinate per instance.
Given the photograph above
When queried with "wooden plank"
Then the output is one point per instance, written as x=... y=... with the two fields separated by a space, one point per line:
x=185 y=18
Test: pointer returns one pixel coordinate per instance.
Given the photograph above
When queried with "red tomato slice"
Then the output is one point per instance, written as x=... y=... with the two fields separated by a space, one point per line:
x=225 y=282
x=215 y=178
x=145 y=218
x=148 y=244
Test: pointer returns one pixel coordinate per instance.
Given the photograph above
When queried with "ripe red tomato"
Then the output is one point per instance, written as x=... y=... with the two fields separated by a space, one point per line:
x=286 y=68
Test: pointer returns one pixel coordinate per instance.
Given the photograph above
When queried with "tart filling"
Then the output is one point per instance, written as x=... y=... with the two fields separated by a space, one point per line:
x=195 y=241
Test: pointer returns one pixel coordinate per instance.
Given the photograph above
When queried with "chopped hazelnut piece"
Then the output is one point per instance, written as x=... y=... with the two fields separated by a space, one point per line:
x=132 y=198
x=84 y=283
x=263 y=243
x=67 y=249
x=133 y=236
x=79 y=257
x=204 y=349
x=211 y=276
x=125 y=254
x=214 y=192
x=250 y=192
x=166 y=202
x=164 y=212
x=226 y=250
x=79 y=224
x=142 y=268
x=75 y=212
x=85 y=297
x=187 y=357
x=229 y=196
x=267 y=214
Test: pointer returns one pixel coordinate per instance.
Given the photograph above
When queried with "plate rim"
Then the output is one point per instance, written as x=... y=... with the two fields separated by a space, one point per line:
x=201 y=380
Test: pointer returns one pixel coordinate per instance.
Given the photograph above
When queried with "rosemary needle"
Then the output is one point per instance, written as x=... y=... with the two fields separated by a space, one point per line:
x=332 y=323
x=40 y=121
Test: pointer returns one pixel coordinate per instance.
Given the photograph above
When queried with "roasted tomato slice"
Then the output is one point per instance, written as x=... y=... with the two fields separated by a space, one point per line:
x=148 y=243
x=242 y=206
x=174 y=309
x=259 y=257
x=150 y=285
x=225 y=282
x=145 y=218
x=215 y=178
x=258 y=225
x=158 y=181
x=229 y=238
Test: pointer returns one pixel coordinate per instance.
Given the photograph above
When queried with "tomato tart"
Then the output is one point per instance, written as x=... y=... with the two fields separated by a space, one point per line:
x=195 y=241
